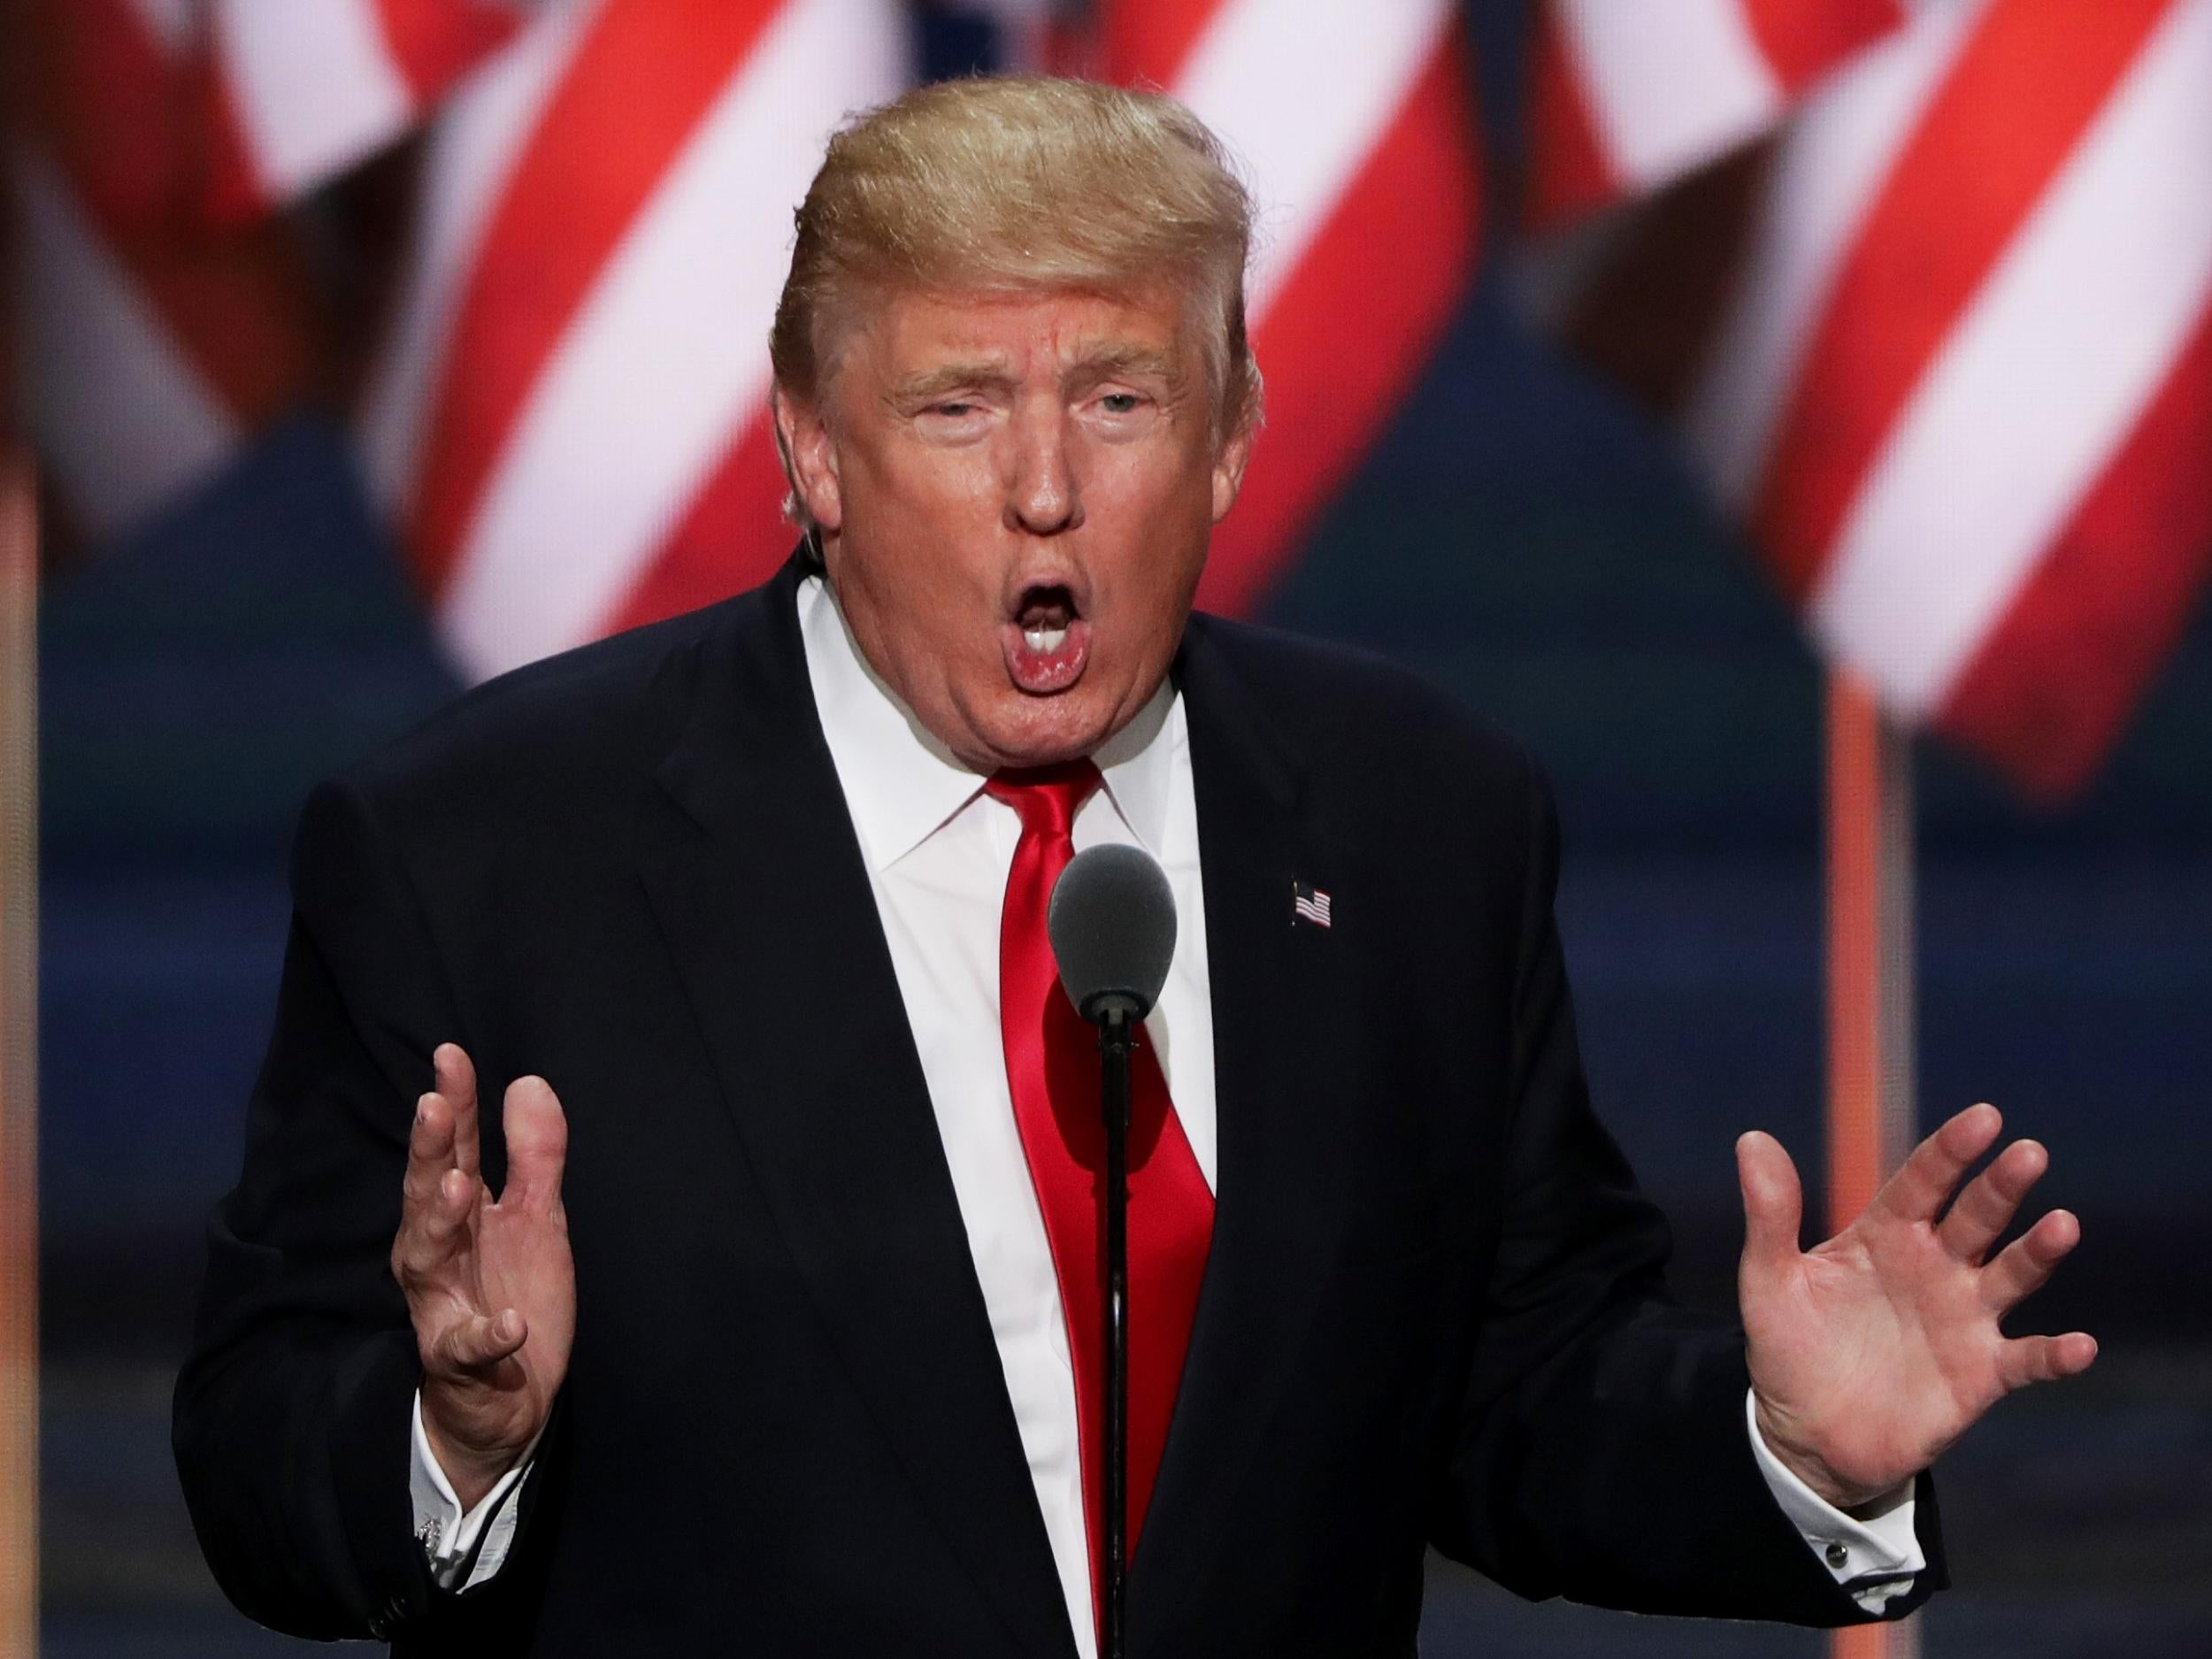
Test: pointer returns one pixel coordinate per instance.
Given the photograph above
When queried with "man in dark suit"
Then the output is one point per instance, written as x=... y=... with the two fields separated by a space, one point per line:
x=771 y=1332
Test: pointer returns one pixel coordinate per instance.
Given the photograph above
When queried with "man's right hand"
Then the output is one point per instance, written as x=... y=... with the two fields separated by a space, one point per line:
x=490 y=1284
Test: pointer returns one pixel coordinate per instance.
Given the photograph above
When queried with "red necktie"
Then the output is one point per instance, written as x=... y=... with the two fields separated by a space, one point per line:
x=1052 y=1067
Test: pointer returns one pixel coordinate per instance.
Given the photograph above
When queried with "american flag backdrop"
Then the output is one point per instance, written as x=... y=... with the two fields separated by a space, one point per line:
x=571 y=420
x=1956 y=388
x=1356 y=121
x=1961 y=388
x=1625 y=99
x=297 y=91
x=149 y=343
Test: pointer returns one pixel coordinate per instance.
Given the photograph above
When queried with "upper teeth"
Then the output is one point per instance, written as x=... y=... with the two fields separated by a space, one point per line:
x=1045 y=641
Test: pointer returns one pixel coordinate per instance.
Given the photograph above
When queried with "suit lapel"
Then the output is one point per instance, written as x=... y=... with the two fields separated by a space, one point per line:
x=771 y=921
x=1281 y=1065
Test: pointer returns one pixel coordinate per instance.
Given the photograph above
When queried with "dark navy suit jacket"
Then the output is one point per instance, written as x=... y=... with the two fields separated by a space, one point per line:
x=1434 y=1313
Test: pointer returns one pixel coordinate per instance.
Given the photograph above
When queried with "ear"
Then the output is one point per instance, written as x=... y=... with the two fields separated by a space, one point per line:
x=1229 y=461
x=809 y=458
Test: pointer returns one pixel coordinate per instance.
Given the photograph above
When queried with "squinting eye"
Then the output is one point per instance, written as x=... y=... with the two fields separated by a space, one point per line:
x=956 y=411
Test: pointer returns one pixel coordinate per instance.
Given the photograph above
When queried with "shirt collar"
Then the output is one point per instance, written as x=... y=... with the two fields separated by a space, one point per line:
x=903 y=785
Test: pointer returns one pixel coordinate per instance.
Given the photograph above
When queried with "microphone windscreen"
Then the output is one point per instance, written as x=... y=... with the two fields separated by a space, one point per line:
x=1112 y=924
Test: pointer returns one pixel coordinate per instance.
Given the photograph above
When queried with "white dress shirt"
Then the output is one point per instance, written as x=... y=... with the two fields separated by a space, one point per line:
x=938 y=851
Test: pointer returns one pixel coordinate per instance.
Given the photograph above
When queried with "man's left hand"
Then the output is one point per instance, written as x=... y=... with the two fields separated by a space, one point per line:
x=1871 y=1353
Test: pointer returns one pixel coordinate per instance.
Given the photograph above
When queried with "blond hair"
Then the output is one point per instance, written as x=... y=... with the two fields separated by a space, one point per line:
x=1023 y=183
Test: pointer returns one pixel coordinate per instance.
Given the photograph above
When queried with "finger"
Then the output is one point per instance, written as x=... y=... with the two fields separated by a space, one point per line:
x=537 y=1145
x=475 y=1343
x=432 y=1234
x=1985 y=1207
x=2034 y=1359
x=456 y=1082
x=429 y=1152
x=1917 y=1192
x=2022 y=1266
x=1773 y=1201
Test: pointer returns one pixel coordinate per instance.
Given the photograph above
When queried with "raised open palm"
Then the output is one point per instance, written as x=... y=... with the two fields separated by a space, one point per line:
x=1871 y=1353
x=490 y=1284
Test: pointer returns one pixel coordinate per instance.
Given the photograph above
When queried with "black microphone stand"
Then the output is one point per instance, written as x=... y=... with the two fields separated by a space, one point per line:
x=1113 y=1064
x=1112 y=923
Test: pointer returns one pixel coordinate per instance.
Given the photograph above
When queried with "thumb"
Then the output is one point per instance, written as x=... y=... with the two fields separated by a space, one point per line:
x=474 y=1343
x=537 y=1145
x=1773 y=1201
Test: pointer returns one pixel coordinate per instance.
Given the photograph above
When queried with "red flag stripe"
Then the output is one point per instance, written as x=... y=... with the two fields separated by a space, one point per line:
x=295 y=95
x=1392 y=168
x=236 y=192
x=647 y=69
x=237 y=304
x=1952 y=203
x=1571 y=174
x=1147 y=43
x=1632 y=98
x=733 y=535
x=1330 y=386
x=87 y=60
x=1804 y=39
x=2046 y=692
x=435 y=42
x=151 y=343
x=609 y=455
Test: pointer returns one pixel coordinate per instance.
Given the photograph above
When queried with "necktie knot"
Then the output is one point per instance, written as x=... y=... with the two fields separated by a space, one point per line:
x=1046 y=798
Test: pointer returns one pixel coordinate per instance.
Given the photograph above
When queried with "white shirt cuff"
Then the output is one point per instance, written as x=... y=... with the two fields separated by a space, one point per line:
x=1883 y=1550
x=448 y=1536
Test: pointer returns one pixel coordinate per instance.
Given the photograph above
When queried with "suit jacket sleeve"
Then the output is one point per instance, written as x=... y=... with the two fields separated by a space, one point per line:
x=1600 y=1451
x=292 y=1415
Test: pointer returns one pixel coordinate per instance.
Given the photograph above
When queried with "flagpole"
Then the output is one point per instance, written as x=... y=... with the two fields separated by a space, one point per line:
x=18 y=1070
x=1871 y=1111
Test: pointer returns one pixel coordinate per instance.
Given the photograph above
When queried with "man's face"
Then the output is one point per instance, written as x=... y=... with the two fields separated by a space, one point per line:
x=1015 y=495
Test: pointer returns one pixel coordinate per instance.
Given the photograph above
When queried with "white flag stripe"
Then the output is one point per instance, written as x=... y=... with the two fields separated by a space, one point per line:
x=667 y=363
x=475 y=147
x=122 y=417
x=1303 y=103
x=1717 y=88
x=1826 y=177
x=311 y=80
x=2070 y=338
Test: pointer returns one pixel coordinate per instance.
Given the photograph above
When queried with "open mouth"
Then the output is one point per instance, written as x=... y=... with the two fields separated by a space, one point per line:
x=1047 y=640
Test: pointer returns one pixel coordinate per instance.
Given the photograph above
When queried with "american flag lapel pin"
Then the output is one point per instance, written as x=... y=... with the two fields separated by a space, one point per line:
x=1307 y=903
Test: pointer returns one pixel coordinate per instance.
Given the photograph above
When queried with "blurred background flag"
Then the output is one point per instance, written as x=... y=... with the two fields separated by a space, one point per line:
x=1957 y=380
x=301 y=90
x=1355 y=120
x=565 y=414
x=571 y=420
x=1623 y=99
x=1947 y=356
x=149 y=344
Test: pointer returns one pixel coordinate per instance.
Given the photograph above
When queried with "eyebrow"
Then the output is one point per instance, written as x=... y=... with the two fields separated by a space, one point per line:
x=1103 y=364
x=951 y=378
x=1113 y=359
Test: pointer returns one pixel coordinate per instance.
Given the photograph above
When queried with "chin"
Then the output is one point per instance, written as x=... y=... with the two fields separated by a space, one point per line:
x=1041 y=732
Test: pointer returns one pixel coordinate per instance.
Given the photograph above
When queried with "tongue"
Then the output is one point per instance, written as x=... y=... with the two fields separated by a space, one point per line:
x=1041 y=615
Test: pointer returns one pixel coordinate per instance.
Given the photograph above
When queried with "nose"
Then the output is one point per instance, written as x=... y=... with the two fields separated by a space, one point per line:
x=1043 y=496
